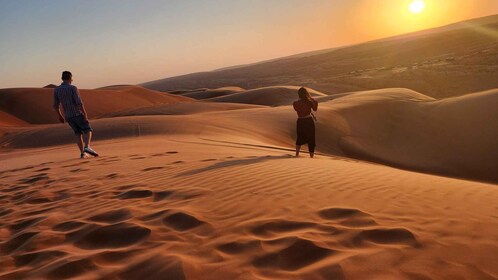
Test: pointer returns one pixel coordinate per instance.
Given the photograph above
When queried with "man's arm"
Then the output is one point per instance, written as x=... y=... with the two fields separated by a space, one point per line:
x=79 y=102
x=84 y=111
x=57 y=107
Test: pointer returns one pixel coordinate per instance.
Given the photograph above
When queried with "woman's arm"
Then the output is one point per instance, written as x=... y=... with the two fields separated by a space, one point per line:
x=314 y=104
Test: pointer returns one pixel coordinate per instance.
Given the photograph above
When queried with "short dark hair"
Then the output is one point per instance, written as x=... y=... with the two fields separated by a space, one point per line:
x=66 y=75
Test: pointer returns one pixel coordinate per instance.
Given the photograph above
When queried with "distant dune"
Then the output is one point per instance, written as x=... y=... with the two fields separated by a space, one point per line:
x=182 y=108
x=7 y=119
x=269 y=96
x=34 y=105
x=211 y=93
x=441 y=62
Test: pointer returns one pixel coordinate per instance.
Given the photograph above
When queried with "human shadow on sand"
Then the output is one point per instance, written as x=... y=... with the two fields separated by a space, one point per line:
x=231 y=163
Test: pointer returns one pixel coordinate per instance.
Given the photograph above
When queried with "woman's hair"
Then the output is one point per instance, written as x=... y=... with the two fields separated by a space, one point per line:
x=304 y=94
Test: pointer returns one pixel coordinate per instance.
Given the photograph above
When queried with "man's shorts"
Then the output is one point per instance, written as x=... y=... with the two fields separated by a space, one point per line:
x=79 y=124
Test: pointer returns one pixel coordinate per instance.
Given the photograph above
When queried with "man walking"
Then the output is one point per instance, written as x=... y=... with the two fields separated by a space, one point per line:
x=75 y=114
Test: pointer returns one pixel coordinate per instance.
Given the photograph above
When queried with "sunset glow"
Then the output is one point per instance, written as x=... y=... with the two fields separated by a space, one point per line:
x=168 y=38
x=417 y=6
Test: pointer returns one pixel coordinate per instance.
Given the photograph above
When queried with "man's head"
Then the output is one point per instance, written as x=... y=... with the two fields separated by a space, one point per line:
x=67 y=76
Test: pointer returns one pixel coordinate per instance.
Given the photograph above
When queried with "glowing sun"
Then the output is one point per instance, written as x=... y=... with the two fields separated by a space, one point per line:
x=417 y=6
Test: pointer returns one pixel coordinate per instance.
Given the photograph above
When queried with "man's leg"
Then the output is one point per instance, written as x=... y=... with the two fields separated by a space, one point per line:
x=79 y=141
x=87 y=138
x=298 y=148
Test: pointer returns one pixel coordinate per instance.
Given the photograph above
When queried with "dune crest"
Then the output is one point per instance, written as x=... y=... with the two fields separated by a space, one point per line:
x=34 y=105
x=441 y=62
x=398 y=127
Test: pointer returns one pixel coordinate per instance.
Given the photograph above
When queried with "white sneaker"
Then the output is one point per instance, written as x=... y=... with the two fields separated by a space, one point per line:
x=90 y=151
x=83 y=155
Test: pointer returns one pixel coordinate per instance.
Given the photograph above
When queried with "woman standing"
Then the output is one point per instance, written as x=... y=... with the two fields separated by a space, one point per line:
x=305 y=123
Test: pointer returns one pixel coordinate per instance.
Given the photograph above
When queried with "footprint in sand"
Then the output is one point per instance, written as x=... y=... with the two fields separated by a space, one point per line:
x=77 y=164
x=240 y=247
x=153 y=168
x=13 y=188
x=155 y=215
x=120 y=235
x=159 y=196
x=277 y=227
x=38 y=258
x=67 y=268
x=127 y=187
x=18 y=242
x=298 y=254
x=137 y=158
x=35 y=178
x=43 y=169
x=134 y=194
x=111 y=176
x=164 y=154
x=155 y=267
x=68 y=226
x=347 y=217
x=390 y=236
x=23 y=224
x=364 y=222
x=78 y=170
x=182 y=222
x=112 y=216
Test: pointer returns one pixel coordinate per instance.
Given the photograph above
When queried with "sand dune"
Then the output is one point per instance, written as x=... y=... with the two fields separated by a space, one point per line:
x=442 y=62
x=398 y=127
x=9 y=123
x=269 y=96
x=34 y=105
x=183 y=108
x=211 y=93
x=7 y=119
x=196 y=209
x=209 y=190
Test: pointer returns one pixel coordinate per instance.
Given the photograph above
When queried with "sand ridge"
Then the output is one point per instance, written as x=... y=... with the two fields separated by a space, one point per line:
x=269 y=96
x=398 y=127
x=34 y=105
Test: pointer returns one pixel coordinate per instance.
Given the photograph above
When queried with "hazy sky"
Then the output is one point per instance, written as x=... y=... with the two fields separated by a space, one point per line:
x=106 y=42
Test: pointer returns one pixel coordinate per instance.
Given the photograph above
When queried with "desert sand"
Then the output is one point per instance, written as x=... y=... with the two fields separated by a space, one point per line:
x=200 y=189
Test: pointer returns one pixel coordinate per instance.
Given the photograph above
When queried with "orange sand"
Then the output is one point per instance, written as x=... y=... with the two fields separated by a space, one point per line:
x=211 y=191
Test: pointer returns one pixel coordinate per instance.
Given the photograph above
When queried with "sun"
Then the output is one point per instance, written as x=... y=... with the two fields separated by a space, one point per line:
x=417 y=6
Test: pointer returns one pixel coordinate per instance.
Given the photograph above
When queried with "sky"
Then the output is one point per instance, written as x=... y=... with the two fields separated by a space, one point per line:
x=107 y=42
